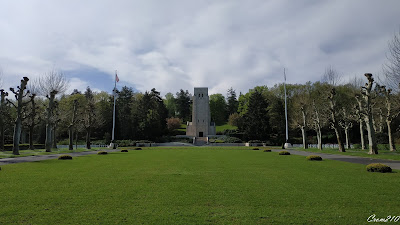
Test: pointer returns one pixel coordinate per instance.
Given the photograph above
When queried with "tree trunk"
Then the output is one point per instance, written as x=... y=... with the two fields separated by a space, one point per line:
x=339 y=139
x=346 y=132
x=303 y=132
x=71 y=138
x=48 y=141
x=31 y=147
x=391 y=143
x=2 y=138
x=373 y=148
x=17 y=135
x=88 y=138
x=54 y=141
x=319 y=138
x=49 y=121
x=362 y=135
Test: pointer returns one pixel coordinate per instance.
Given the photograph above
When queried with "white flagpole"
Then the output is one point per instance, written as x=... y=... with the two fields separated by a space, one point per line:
x=286 y=117
x=113 y=130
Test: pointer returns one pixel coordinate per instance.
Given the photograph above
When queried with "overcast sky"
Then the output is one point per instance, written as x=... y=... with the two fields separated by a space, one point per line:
x=181 y=44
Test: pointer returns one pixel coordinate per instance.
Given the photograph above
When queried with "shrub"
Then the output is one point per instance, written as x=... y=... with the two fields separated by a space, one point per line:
x=267 y=150
x=314 y=158
x=63 y=157
x=124 y=150
x=102 y=153
x=256 y=149
x=378 y=167
x=137 y=148
x=284 y=153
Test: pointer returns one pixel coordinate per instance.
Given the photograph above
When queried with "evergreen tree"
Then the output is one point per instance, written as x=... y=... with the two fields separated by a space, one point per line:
x=233 y=103
x=183 y=102
x=256 y=126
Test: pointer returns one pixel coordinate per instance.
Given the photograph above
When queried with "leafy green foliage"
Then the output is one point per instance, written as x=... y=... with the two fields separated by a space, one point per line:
x=102 y=153
x=379 y=167
x=314 y=158
x=218 y=109
x=267 y=150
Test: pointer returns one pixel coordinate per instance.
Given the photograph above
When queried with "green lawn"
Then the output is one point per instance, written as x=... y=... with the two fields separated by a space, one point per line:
x=194 y=186
x=22 y=153
x=225 y=127
x=382 y=154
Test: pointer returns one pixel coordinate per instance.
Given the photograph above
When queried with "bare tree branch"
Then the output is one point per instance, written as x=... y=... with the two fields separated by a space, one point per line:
x=391 y=68
x=52 y=81
x=331 y=76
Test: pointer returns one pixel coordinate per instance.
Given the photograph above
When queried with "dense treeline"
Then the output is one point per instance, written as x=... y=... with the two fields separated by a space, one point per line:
x=328 y=111
x=320 y=112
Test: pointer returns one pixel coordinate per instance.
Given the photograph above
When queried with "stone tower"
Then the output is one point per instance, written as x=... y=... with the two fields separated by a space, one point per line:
x=201 y=125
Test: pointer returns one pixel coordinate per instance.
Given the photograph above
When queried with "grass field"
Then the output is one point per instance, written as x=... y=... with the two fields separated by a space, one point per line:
x=225 y=127
x=382 y=154
x=23 y=153
x=195 y=186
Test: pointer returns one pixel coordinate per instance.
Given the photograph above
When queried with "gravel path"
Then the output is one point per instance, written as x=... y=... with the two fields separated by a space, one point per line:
x=394 y=164
x=36 y=158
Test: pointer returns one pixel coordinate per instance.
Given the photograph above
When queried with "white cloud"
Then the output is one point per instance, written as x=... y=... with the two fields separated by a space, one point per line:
x=176 y=44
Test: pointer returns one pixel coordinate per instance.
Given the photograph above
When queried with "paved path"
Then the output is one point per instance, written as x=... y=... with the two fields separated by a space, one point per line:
x=394 y=164
x=36 y=158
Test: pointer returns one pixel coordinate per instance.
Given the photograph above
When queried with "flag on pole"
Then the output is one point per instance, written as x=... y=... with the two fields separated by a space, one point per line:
x=116 y=77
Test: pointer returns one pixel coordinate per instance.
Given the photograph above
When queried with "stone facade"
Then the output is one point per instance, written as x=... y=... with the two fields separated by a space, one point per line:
x=201 y=125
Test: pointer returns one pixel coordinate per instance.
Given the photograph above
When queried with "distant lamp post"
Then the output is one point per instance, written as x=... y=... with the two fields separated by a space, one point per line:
x=287 y=144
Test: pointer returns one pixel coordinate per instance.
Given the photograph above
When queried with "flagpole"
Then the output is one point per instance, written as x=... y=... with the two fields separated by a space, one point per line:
x=287 y=144
x=113 y=145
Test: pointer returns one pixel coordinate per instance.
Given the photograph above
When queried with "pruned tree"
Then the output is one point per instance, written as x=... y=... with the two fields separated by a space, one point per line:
x=346 y=123
x=392 y=67
x=19 y=104
x=4 y=114
x=367 y=96
x=360 y=118
x=31 y=118
x=390 y=114
x=334 y=120
x=51 y=84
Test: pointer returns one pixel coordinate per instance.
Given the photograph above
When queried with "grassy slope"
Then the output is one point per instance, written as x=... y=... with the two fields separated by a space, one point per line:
x=194 y=186
x=383 y=154
x=225 y=127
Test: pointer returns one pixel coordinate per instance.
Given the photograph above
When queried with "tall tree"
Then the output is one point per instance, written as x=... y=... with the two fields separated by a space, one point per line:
x=346 y=123
x=392 y=67
x=170 y=104
x=232 y=102
x=19 y=104
x=256 y=126
x=4 y=114
x=390 y=114
x=366 y=103
x=124 y=113
x=51 y=84
x=218 y=109
x=89 y=115
x=334 y=120
x=183 y=101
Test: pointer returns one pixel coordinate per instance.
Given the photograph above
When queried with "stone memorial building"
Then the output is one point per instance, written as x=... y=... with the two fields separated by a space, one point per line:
x=201 y=125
